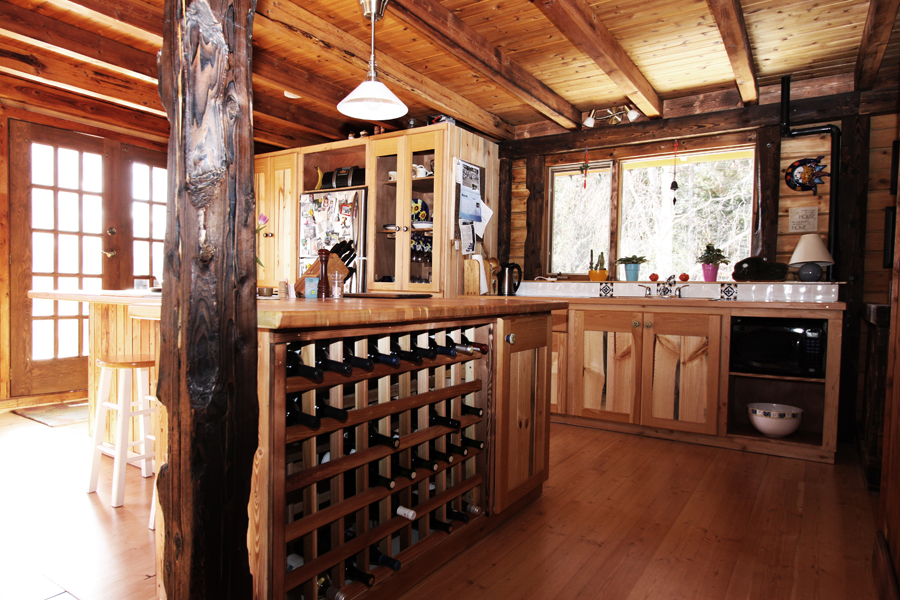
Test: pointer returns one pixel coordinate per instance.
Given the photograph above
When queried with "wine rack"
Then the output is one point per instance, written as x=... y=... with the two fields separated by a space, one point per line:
x=411 y=436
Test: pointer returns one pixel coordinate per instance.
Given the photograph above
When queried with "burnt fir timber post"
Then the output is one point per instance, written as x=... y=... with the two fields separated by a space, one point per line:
x=208 y=343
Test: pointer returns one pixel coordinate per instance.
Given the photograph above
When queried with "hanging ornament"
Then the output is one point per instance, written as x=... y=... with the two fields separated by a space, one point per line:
x=584 y=167
x=674 y=186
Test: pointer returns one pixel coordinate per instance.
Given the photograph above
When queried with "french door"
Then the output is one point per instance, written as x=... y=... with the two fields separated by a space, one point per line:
x=83 y=216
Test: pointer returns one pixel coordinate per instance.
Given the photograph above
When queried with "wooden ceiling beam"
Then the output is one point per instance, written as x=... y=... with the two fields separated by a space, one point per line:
x=294 y=20
x=577 y=21
x=35 y=28
x=876 y=35
x=453 y=35
x=60 y=103
x=300 y=118
x=730 y=20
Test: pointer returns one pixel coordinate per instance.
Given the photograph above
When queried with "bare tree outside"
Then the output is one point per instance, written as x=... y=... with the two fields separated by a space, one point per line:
x=714 y=205
x=580 y=216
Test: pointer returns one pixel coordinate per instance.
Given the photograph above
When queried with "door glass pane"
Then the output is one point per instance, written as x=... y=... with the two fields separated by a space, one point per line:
x=90 y=284
x=159 y=221
x=68 y=338
x=421 y=217
x=42 y=164
x=160 y=185
x=92 y=175
x=68 y=168
x=41 y=307
x=92 y=214
x=140 y=181
x=141 y=258
x=42 y=211
x=42 y=250
x=68 y=253
x=42 y=340
x=68 y=212
x=93 y=263
x=140 y=215
x=158 y=260
x=387 y=232
x=67 y=308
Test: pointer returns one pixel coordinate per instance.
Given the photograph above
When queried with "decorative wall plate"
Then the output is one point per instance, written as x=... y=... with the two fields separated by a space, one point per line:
x=803 y=175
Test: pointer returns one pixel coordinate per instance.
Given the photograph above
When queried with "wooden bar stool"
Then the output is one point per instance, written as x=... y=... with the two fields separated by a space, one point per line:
x=126 y=409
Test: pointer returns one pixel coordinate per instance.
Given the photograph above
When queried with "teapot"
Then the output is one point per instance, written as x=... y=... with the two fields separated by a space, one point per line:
x=507 y=286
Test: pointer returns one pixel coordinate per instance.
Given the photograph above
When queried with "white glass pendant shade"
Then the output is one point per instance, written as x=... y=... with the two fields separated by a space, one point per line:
x=372 y=101
x=633 y=115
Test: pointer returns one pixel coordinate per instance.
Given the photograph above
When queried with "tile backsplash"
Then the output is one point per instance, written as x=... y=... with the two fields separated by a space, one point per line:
x=745 y=292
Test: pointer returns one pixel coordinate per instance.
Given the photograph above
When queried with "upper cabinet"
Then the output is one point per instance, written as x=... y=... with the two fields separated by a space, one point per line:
x=406 y=224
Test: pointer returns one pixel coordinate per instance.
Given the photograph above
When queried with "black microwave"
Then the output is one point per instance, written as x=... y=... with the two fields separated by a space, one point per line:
x=778 y=346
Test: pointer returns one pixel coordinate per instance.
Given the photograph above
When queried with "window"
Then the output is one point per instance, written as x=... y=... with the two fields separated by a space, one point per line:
x=580 y=212
x=714 y=205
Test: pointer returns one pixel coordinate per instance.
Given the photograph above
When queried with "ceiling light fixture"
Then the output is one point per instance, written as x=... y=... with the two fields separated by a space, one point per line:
x=589 y=120
x=614 y=115
x=372 y=100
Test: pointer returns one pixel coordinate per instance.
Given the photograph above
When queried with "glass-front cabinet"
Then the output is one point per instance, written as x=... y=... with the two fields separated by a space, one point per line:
x=405 y=178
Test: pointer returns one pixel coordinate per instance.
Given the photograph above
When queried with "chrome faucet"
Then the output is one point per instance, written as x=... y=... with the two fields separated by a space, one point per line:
x=679 y=288
x=647 y=288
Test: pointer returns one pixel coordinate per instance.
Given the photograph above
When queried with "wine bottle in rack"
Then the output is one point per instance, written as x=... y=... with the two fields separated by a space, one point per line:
x=455 y=515
x=423 y=463
x=294 y=367
x=454 y=449
x=379 y=439
x=468 y=409
x=400 y=471
x=466 y=441
x=294 y=561
x=328 y=591
x=440 y=420
x=324 y=410
x=296 y=416
x=355 y=574
x=442 y=456
x=472 y=509
x=440 y=348
x=380 y=558
x=429 y=353
x=384 y=359
x=439 y=525
x=466 y=349
x=357 y=362
x=406 y=355
x=483 y=348
x=325 y=363
x=378 y=480
x=403 y=511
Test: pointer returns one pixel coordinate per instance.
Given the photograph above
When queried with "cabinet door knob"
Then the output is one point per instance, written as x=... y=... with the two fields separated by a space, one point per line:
x=635 y=323
x=511 y=338
x=648 y=324
x=405 y=228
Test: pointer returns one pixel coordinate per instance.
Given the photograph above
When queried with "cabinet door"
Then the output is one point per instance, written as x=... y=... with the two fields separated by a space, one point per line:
x=605 y=365
x=387 y=173
x=680 y=371
x=521 y=409
x=558 y=373
x=276 y=245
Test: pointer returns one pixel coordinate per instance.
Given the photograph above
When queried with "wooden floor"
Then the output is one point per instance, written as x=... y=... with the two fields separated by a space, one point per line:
x=622 y=517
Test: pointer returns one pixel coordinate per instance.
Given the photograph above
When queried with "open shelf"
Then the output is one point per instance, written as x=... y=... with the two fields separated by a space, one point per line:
x=809 y=438
x=808 y=394
x=327 y=190
x=778 y=377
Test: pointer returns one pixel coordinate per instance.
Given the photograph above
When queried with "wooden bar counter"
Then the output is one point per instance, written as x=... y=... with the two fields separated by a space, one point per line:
x=456 y=430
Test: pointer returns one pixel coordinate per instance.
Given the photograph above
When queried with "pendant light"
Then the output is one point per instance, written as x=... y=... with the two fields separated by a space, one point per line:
x=372 y=100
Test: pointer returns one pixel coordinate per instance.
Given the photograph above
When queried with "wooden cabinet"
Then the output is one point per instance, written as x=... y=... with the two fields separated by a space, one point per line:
x=656 y=369
x=406 y=212
x=276 y=179
x=521 y=411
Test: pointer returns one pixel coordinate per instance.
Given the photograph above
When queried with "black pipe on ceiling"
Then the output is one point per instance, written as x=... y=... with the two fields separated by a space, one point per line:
x=835 y=132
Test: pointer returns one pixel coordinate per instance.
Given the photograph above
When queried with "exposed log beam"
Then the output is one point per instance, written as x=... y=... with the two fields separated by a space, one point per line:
x=577 y=21
x=35 y=28
x=302 y=119
x=39 y=98
x=730 y=20
x=290 y=18
x=803 y=112
x=879 y=24
x=455 y=36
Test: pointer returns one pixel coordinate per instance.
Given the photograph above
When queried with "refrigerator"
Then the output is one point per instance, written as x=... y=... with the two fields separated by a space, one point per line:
x=330 y=217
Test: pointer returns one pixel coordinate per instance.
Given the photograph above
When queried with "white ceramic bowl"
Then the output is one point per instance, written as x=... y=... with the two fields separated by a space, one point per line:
x=774 y=420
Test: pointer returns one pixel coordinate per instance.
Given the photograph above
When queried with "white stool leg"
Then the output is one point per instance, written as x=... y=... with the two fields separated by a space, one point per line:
x=152 y=524
x=99 y=426
x=143 y=376
x=120 y=455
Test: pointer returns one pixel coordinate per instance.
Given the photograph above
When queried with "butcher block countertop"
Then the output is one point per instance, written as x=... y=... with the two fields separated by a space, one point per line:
x=344 y=312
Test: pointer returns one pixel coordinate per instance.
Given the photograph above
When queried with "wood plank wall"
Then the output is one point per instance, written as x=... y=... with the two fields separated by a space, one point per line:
x=878 y=279
x=518 y=228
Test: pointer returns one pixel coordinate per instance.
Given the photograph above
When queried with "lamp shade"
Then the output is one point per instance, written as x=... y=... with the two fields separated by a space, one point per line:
x=633 y=115
x=372 y=101
x=811 y=248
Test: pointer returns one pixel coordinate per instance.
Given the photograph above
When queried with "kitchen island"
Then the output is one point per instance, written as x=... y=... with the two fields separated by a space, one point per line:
x=457 y=432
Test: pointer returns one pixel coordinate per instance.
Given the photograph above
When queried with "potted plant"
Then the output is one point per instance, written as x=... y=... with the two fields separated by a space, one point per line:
x=711 y=258
x=597 y=271
x=632 y=266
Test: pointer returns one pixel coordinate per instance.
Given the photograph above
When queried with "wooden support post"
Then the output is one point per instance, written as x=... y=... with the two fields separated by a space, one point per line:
x=504 y=211
x=534 y=219
x=208 y=343
x=768 y=180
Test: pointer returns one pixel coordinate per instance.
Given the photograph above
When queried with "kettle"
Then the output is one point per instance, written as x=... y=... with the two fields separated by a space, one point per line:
x=507 y=285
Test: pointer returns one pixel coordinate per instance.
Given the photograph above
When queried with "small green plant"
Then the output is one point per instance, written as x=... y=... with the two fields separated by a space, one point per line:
x=712 y=256
x=631 y=260
x=600 y=265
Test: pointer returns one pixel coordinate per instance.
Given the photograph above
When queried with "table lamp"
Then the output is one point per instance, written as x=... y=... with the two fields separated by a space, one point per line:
x=811 y=255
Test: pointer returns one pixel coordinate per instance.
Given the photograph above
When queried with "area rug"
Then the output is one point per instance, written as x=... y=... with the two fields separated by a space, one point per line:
x=57 y=415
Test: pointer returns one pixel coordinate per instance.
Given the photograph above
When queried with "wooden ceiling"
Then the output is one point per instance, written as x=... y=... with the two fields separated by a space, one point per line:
x=507 y=68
